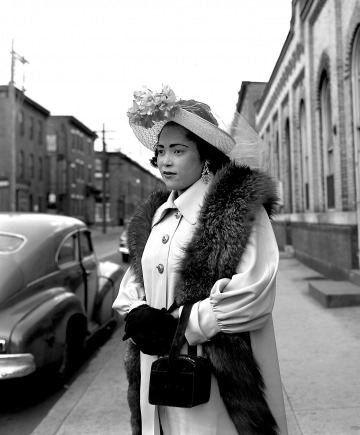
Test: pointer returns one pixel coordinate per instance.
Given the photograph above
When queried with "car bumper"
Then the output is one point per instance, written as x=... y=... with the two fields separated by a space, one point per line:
x=16 y=365
x=123 y=250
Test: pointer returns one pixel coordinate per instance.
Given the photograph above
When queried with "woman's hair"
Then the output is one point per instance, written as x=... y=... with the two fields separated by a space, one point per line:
x=215 y=157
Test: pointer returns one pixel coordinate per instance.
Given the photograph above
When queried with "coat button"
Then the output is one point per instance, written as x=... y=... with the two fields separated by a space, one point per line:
x=160 y=268
x=165 y=238
x=178 y=215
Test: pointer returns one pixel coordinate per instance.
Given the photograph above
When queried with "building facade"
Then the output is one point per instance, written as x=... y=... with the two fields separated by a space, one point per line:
x=249 y=96
x=126 y=184
x=309 y=115
x=23 y=162
x=71 y=155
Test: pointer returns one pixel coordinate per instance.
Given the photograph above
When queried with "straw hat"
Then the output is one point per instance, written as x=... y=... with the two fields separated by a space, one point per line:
x=151 y=111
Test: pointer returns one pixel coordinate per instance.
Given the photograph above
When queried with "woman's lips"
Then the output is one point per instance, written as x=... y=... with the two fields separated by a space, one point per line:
x=168 y=174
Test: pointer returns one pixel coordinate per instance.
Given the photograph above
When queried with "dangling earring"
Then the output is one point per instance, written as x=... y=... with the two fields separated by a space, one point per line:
x=205 y=175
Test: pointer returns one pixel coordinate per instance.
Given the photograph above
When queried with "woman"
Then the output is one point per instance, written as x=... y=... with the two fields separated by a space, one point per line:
x=210 y=243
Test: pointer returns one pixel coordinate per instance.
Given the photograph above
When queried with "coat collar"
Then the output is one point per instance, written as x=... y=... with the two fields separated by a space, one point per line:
x=189 y=203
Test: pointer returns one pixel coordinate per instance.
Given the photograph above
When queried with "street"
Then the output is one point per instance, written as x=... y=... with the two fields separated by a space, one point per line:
x=25 y=402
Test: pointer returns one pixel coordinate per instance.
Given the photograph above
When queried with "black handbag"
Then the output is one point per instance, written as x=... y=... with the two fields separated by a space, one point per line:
x=180 y=380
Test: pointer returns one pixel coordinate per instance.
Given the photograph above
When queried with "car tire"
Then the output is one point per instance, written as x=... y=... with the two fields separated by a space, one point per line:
x=73 y=351
x=125 y=258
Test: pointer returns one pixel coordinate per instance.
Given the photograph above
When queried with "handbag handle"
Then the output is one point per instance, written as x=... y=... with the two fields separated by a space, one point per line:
x=180 y=333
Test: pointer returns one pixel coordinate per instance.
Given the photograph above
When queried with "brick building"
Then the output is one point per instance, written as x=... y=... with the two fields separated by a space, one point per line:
x=127 y=183
x=249 y=96
x=70 y=146
x=23 y=152
x=309 y=115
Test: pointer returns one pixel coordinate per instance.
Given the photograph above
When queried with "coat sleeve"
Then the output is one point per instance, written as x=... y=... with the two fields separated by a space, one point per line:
x=244 y=302
x=130 y=295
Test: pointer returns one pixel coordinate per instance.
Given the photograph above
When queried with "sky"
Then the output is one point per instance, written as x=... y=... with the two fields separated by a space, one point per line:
x=87 y=57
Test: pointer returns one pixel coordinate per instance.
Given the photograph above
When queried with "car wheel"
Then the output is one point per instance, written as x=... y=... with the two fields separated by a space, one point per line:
x=125 y=258
x=72 y=352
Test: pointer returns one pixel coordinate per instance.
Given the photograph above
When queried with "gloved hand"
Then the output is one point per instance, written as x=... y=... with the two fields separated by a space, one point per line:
x=151 y=329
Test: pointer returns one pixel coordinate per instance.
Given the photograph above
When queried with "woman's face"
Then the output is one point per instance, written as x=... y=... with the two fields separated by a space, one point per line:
x=178 y=159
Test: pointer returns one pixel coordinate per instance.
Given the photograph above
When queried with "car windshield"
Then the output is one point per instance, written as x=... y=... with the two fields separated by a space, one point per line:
x=10 y=243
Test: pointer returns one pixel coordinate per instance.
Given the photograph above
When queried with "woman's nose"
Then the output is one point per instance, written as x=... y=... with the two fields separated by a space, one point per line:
x=167 y=161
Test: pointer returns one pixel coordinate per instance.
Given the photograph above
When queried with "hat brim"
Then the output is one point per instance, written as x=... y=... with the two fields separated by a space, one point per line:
x=209 y=132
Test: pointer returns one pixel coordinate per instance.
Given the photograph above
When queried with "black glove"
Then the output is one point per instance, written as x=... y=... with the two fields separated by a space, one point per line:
x=152 y=330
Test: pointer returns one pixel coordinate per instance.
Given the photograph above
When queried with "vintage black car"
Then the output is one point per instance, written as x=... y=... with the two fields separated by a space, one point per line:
x=54 y=293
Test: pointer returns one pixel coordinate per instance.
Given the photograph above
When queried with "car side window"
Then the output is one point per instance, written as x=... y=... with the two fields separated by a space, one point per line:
x=68 y=250
x=85 y=244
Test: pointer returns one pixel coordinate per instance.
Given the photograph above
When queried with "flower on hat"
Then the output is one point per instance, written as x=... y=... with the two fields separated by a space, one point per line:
x=149 y=107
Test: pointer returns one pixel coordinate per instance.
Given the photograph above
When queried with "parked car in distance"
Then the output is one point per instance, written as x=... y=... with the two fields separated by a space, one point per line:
x=123 y=247
x=54 y=293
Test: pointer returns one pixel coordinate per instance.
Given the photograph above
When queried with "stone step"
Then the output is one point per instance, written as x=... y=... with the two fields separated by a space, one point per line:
x=354 y=276
x=333 y=294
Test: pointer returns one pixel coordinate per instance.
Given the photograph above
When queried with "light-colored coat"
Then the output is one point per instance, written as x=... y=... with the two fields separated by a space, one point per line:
x=241 y=303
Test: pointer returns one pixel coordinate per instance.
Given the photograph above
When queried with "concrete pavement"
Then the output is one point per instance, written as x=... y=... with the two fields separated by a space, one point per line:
x=319 y=353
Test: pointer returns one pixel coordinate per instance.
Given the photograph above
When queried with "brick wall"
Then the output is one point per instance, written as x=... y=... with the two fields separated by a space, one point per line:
x=319 y=44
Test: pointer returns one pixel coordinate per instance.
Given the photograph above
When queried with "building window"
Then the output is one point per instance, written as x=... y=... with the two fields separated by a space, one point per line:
x=90 y=147
x=31 y=128
x=21 y=121
x=89 y=174
x=73 y=174
x=40 y=168
x=288 y=169
x=355 y=81
x=81 y=171
x=304 y=152
x=31 y=165
x=327 y=140
x=277 y=157
x=62 y=140
x=40 y=127
x=98 y=165
x=21 y=164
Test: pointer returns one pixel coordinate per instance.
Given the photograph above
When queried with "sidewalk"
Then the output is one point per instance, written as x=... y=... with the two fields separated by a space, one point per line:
x=319 y=353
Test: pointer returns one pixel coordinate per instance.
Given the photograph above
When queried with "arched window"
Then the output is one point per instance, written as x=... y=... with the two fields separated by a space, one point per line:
x=355 y=81
x=304 y=152
x=327 y=139
x=287 y=168
x=277 y=157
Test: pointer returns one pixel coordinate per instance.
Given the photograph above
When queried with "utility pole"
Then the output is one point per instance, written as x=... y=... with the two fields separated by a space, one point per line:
x=12 y=98
x=104 y=167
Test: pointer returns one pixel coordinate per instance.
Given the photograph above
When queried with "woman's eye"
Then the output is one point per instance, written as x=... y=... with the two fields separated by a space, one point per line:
x=160 y=152
x=178 y=151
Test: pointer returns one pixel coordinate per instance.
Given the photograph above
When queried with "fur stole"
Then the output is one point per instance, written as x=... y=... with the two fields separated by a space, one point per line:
x=226 y=219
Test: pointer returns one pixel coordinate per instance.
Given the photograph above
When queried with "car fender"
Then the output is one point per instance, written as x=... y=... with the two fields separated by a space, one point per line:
x=42 y=331
x=109 y=278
